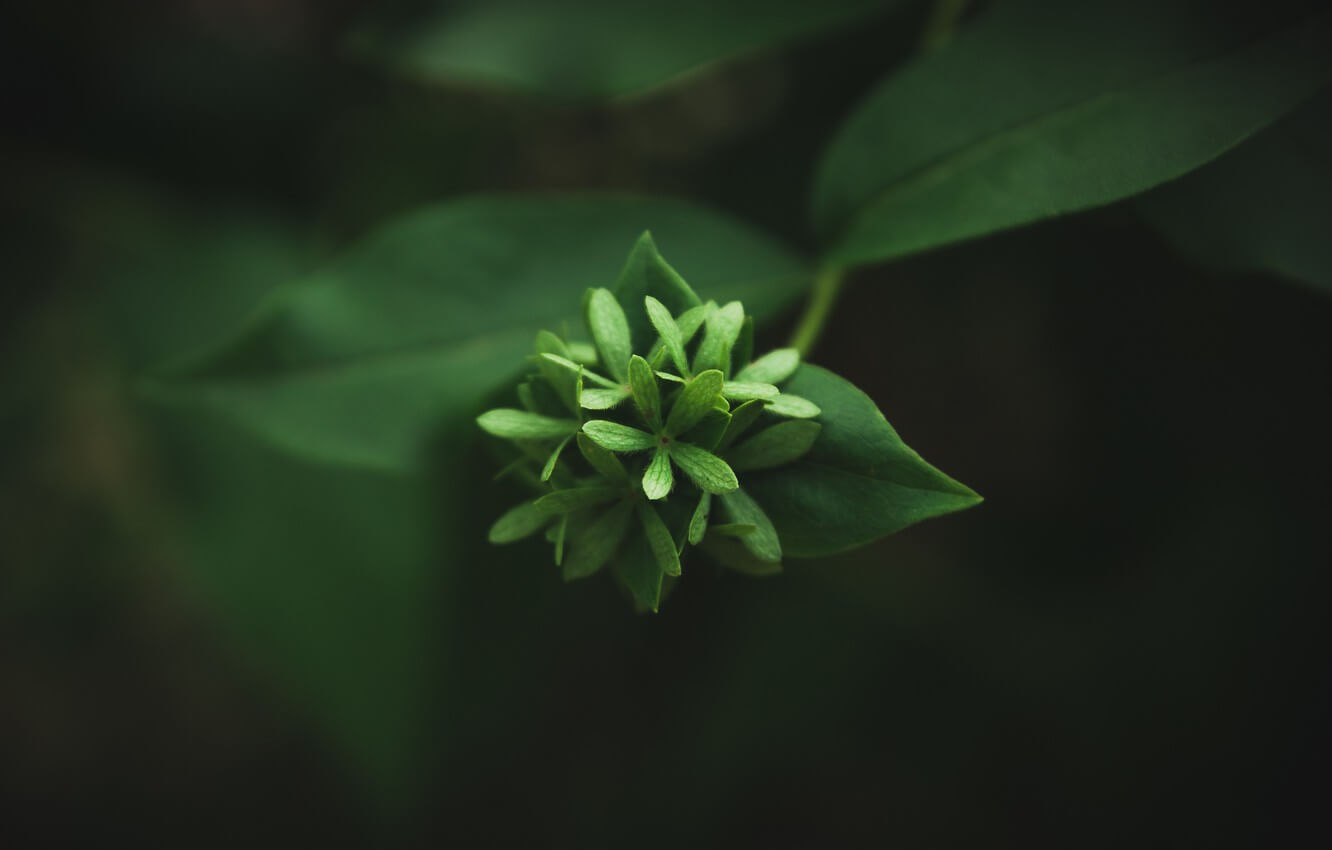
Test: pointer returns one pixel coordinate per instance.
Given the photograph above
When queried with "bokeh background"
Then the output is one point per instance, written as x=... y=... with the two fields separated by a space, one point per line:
x=204 y=641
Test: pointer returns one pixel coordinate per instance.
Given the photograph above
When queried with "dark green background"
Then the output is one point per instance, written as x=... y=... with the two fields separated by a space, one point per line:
x=1124 y=644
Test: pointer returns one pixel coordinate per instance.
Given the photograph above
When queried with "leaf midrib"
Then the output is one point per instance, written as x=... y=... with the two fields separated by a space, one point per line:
x=939 y=168
x=970 y=494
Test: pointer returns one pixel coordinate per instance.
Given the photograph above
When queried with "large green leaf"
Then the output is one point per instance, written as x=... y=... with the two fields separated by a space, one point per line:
x=1267 y=206
x=589 y=48
x=326 y=580
x=362 y=362
x=859 y=481
x=1045 y=108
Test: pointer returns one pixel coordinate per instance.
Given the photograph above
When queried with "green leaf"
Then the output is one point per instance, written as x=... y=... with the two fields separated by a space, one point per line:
x=602 y=460
x=657 y=478
x=647 y=274
x=659 y=539
x=609 y=327
x=708 y=433
x=602 y=399
x=523 y=425
x=741 y=419
x=669 y=331
x=722 y=329
x=776 y=446
x=366 y=361
x=764 y=543
x=772 y=368
x=694 y=401
x=574 y=498
x=731 y=553
x=596 y=543
x=587 y=48
x=858 y=483
x=549 y=469
x=641 y=572
x=1264 y=207
x=749 y=390
x=518 y=523
x=574 y=369
x=327 y=581
x=1044 y=108
x=705 y=469
x=561 y=534
x=617 y=437
x=564 y=382
x=698 y=522
x=793 y=407
x=733 y=529
x=743 y=351
x=643 y=384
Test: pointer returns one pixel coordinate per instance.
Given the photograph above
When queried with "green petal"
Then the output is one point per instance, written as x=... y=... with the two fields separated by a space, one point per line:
x=643 y=385
x=723 y=328
x=793 y=407
x=659 y=539
x=602 y=399
x=781 y=444
x=709 y=472
x=763 y=542
x=772 y=368
x=517 y=523
x=595 y=543
x=575 y=368
x=549 y=468
x=669 y=332
x=741 y=419
x=610 y=331
x=749 y=390
x=523 y=425
x=698 y=523
x=602 y=460
x=657 y=478
x=564 y=501
x=617 y=437
x=694 y=401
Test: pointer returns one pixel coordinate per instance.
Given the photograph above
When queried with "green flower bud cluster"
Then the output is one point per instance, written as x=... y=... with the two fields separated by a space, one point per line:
x=638 y=456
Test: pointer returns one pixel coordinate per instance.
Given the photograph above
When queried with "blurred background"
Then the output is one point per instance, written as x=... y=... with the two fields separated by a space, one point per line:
x=203 y=640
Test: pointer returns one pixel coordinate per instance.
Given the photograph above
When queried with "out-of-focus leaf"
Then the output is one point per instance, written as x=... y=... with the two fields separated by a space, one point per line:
x=362 y=362
x=590 y=48
x=323 y=579
x=1266 y=206
x=858 y=482
x=1044 y=108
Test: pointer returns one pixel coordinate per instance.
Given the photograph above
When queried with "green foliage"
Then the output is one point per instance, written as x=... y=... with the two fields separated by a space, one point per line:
x=595 y=491
x=858 y=482
x=1036 y=109
x=1262 y=207
x=1045 y=108
x=363 y=362
x=578 y=48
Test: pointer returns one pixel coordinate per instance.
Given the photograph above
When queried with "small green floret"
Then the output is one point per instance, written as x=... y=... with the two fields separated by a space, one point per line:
x=667 y=409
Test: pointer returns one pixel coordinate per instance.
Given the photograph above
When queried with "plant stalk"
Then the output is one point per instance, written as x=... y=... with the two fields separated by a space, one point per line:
x=822 y=299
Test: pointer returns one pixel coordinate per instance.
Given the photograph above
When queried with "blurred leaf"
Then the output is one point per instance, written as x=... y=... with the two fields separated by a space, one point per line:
x=323 y=579
x=590 y=48
x=1264 y=207
x=1047 y=108
x=859 y=482
x=362 y=362
x=647 y=274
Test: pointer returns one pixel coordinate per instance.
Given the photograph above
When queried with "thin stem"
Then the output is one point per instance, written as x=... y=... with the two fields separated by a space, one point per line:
x=822 y=299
